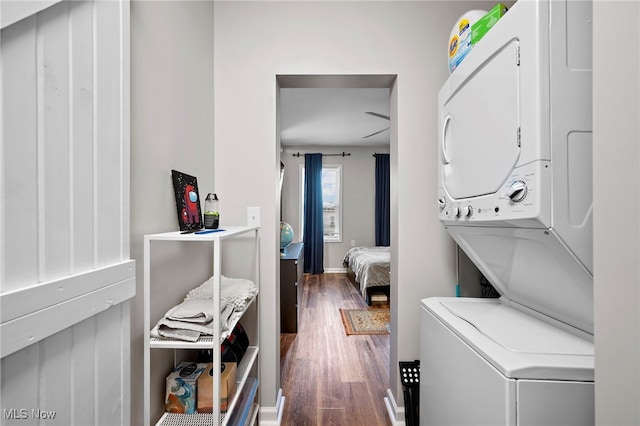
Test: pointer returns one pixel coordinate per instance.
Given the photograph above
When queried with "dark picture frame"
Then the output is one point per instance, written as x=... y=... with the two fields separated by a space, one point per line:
x=187 y=201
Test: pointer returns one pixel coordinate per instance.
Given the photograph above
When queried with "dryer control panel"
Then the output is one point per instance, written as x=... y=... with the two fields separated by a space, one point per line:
x=521 y=197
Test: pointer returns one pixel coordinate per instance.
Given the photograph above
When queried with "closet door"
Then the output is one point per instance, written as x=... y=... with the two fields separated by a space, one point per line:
x=65 y=271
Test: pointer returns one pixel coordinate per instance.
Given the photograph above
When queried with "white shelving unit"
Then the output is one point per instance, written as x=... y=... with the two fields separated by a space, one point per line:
x=250 y=358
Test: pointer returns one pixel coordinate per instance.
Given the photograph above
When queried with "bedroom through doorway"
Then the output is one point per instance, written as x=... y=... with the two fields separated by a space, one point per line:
x=364 y=106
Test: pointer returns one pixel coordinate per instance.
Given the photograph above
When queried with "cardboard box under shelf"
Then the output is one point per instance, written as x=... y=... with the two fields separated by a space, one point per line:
x=181 y=390
x=227 y=387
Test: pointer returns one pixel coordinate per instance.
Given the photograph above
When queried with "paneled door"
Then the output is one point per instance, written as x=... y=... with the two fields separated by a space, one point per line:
x=65 y=271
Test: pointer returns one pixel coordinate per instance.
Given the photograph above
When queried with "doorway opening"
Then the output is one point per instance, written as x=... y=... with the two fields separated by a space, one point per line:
x=293 y=144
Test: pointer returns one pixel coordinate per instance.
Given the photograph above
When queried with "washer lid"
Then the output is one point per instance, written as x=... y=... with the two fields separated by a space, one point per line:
x=517 y=344
x=533 y=268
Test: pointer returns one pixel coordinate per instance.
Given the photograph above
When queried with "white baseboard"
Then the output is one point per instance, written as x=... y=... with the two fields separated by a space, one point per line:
x=272 y=416
x=335 y=270
x=396 y=414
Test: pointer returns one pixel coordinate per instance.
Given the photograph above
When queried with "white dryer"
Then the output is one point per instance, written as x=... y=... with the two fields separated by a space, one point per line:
x=515 y=192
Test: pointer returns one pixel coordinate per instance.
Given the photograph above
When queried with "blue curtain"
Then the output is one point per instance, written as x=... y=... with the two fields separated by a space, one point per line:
x=313 y=223
x=383 y=204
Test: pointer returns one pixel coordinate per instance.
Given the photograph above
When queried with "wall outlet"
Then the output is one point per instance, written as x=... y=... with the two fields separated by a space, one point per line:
x=353 y=243
x=253 y=216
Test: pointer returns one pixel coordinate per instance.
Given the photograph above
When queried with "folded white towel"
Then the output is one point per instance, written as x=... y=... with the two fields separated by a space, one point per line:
x=192 y=310
x=225 y=315
x=234 y=291
x=190 y=331
x=181 y=330
x=237 y=292
x=175 y=333
x=194 y=316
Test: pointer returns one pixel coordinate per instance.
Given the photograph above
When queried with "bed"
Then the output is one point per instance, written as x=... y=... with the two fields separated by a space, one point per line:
x=368 y=269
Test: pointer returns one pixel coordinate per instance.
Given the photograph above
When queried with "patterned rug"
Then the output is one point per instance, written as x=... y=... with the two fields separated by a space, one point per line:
x=365 y=321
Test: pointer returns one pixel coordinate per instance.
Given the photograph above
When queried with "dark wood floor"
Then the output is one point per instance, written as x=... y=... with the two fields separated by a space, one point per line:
x=329 y=378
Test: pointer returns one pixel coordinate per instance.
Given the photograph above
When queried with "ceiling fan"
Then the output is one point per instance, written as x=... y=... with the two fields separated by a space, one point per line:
x=375 y=114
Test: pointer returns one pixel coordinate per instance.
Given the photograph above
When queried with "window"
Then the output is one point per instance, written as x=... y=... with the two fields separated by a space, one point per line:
x=331 y=202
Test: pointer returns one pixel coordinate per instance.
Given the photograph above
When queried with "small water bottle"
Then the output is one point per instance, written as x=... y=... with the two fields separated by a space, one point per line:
x=211 y=214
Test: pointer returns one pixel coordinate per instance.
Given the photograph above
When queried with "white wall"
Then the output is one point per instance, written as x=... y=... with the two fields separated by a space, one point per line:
x=172 y=110
x=358 y=196
x=255 y=41
x=616 y=132
x=171 y=128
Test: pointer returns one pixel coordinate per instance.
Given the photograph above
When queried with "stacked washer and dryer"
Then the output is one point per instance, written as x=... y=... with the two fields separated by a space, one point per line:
x=515 y=193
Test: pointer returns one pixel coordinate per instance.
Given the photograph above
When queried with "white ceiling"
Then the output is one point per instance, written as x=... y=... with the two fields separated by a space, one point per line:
x=333 y=116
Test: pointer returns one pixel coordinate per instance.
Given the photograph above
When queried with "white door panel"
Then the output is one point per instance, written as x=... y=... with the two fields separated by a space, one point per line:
x=65 y=272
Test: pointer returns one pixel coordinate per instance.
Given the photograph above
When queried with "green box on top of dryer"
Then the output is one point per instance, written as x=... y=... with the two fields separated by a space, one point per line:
x=484 y=24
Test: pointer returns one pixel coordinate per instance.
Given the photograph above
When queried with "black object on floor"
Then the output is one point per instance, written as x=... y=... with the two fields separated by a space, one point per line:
x=410 y=379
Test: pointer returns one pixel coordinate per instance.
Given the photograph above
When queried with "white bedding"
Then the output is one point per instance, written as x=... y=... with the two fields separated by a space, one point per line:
x=370 y=265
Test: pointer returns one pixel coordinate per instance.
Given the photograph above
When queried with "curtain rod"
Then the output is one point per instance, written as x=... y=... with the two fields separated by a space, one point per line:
x=377 y=153
x=344 y=154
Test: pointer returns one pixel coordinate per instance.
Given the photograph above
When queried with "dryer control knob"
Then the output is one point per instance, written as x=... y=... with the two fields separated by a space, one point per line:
x=467 y=211
x=517 y=191
x=442 y=203
x=456 y=212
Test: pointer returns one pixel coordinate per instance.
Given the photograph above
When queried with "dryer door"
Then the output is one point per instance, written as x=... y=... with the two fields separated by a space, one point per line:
x=480 y=122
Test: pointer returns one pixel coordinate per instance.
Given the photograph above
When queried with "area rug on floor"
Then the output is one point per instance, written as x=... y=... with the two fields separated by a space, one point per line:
x=365 y=321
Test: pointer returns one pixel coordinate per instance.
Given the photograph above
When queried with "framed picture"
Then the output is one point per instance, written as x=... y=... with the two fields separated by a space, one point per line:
x=187 y=201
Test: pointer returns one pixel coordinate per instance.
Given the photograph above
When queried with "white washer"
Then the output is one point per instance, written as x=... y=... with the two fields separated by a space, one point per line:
x=486 y=363
x=515 y=193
